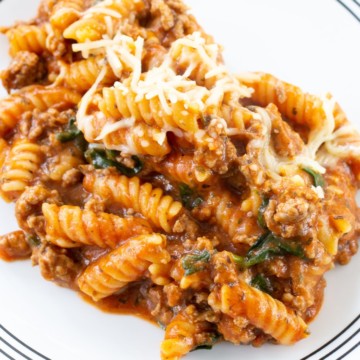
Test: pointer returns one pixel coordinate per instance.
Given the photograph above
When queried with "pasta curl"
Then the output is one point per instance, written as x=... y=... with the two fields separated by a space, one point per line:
x=126 y=264
x=262 y=310
x=69 y=226
x=80 y=75
x=65 y=12
x=30 y=38
x=20 y=167
x=92 y=25
x=181 y=335
x=161 y=210
x=159 y=108
x=34 y=97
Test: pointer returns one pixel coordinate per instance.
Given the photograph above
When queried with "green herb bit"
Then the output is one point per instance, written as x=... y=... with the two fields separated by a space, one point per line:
x=262 y=208
x=195 y=261
x=262 y=283
x=70 y=133
x=203 y=347
x=239 y=260
x=269 y=245
x=188 y=196
x=33 y=240
x=208 y=345
x=102 y=159
x=317 y=178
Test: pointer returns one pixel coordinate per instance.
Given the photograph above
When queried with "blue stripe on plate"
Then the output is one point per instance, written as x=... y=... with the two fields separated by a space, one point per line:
x=349 y=351
x=23 y=344
x=353 y=12
x=2 y=351
x=14 y=348
x=348 y=327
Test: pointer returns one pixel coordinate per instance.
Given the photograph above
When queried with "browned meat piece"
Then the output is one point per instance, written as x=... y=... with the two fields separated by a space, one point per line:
x=215 y=151
x=237 y=331
x=14 y=246
x=292 y=212
x=156 y=302
x=25 y=69
x=34 y=124
x=307 y=278
x=170 y=21
x=57 y=265
x=166 y=15
x=286 y=141
x=28 y=206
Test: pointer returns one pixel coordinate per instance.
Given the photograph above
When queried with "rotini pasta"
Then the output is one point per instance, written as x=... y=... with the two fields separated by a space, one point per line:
x=181 y=334
x=33 y=97
x=80 y=75
x=161 y=210
x=62 y=163
x=126 y=264
x=123 y=102
x=27 y=38
x=261 y=310
x=140 y=139
x=20 y=167
x=3 y=151
x=66 y=12
x=69 y=226
x=93 y=24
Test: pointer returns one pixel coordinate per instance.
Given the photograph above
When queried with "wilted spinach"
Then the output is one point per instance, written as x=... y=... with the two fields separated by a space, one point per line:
x=267 y=246
x=102 y=159
x=189 y=198
x=195 y=261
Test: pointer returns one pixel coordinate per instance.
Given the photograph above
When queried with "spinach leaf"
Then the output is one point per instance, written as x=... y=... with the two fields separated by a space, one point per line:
x=188 y=196
x=72 y=133
x=195 y=261
x=33 y=240
x=239 y=260
x=267 y=246
x=262 y=208
x=262 y=283
x=102 y=159
x=203 y=347
x=208 y=345
x=317 y=178
x=161 y=325
x=270 y=245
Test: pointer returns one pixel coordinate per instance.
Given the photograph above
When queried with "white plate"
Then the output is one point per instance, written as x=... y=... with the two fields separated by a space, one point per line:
x=314 y=44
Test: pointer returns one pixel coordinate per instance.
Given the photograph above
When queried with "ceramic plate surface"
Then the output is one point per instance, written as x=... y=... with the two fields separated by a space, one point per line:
x=314 y=44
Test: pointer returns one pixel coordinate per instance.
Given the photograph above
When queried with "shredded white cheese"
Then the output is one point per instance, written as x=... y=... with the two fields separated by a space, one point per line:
x=112 y=127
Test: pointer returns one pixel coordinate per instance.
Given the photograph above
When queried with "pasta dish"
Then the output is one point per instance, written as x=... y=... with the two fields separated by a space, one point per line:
x=154 y=181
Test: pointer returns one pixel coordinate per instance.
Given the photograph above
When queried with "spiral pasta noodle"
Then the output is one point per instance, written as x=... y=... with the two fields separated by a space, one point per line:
x=180 y=334
x=126 y=264
x=184 y=114
x=27 y=38
x=80 y=75
x=140 y=139
x=271 y=316
x=69 y=226
x=66 y=12
x=33 y=97
x=21 y=165
x=92 y=25
x=161 y=210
